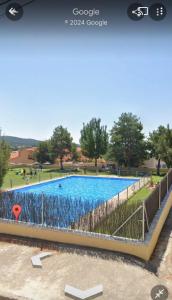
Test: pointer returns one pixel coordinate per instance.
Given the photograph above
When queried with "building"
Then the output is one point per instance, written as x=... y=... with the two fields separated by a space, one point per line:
x=152 y=163
x=23 y=156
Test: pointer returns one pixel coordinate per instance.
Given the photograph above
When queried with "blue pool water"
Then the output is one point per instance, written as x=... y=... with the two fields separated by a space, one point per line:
x=85 y=188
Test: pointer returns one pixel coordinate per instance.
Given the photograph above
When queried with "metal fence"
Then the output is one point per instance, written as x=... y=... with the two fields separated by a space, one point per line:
x=134 y=220
x=95 y=218
x=154 y=201
x=134 y=172
x=125 y=221
x=57 y=211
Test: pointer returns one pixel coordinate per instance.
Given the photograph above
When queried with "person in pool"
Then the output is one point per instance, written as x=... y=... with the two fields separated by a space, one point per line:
x=60 y=186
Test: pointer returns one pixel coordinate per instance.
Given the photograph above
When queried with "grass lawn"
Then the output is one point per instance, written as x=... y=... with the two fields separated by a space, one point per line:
x=14 y=179
x=141 y=195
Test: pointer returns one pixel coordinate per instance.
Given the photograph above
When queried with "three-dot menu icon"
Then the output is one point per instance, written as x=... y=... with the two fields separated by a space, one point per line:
x=158 y=11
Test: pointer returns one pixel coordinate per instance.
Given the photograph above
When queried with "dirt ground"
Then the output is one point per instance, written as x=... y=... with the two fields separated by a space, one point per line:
x=120 y=278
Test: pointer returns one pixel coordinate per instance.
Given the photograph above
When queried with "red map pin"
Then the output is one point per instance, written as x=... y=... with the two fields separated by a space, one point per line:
x=17 y=211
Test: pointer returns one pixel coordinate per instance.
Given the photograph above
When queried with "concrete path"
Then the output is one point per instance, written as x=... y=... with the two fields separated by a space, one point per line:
x=122 y=277
x=162 y=257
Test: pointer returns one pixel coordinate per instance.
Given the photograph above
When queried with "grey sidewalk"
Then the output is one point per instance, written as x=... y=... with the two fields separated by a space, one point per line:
x=162 y=257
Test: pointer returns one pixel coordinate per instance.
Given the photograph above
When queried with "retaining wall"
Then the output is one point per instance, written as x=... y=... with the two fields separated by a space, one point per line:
x=137 y=248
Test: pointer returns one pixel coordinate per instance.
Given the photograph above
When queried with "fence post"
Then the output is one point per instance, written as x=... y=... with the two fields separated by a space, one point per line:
x=167 y=183
x=90 y=220
x=39 y=177
x=106 y=208
x=159 y=194
x=11 y=183
x=93 y=219
x=143 y=222
x=118 y=198
x=144 y=180
x=78 y=225
x=73 y=225
x=42 y=213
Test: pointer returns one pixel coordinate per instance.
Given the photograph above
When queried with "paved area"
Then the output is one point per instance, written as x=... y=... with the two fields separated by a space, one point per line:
x=162 y=258
x=121 y=279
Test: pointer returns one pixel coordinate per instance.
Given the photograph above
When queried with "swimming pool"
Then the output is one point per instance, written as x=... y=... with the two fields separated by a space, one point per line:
x=83 y=187
x=64 y=201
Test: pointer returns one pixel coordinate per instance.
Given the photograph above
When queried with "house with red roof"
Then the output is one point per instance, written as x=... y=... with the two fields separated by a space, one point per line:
x=23 y=156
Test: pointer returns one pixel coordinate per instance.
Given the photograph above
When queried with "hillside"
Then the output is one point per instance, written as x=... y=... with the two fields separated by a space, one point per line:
x=16 y=142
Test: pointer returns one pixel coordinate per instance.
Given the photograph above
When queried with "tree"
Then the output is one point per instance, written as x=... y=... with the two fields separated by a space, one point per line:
x=61 y=143
x=160 y=145
x=94 y=139
x=127 y=144
x=4 y=157
x=44 y=152
x=75 y=154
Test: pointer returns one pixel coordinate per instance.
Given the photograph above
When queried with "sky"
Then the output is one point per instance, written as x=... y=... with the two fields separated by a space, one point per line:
x=52 y=75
